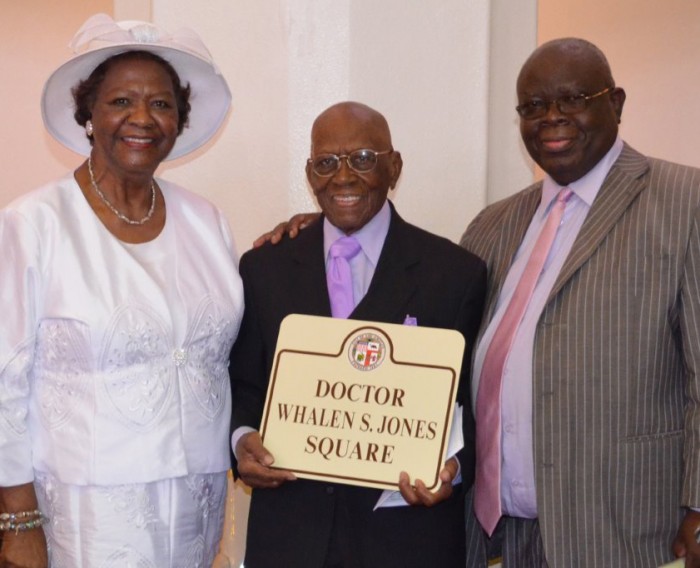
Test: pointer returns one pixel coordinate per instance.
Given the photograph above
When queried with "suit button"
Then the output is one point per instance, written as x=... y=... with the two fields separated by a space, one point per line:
x=330 y=490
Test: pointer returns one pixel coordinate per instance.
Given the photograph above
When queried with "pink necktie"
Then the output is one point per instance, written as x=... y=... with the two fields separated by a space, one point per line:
x=339 y=277
x=487 y=485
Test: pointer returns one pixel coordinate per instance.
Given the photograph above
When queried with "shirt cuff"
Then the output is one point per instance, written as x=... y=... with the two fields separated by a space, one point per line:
x=238 y=433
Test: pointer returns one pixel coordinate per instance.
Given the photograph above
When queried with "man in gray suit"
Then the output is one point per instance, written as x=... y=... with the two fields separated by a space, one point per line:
x=600 y=400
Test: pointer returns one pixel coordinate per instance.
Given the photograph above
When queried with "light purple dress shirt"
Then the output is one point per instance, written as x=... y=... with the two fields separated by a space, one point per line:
x=518 y=493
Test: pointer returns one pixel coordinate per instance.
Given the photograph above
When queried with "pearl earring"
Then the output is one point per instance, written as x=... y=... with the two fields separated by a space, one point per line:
x=88 y=128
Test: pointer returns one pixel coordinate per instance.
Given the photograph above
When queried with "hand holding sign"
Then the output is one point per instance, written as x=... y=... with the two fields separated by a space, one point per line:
x=254 y=464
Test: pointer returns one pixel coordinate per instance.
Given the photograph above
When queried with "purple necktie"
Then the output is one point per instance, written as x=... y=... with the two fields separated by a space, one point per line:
x=339 y=277
x=487 y=485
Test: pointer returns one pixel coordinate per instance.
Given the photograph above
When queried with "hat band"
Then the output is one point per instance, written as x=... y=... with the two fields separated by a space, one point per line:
x=102 y=31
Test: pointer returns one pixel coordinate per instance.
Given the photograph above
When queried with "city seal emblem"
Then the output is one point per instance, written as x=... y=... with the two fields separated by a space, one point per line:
x=366 y=351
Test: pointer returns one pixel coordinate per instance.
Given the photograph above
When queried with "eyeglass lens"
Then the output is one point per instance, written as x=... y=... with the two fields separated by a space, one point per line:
x=568 y=104
x=361 y=161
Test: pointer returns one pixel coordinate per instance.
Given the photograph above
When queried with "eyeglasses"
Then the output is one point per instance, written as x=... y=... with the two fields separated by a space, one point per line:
x=569 y=104
x=360 y=161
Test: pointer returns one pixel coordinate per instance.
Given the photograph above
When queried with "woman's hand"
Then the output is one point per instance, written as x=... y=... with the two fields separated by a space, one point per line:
x=24 y=549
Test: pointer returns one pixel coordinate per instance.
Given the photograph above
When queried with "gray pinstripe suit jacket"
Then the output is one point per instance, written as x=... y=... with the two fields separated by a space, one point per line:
x=616 y=391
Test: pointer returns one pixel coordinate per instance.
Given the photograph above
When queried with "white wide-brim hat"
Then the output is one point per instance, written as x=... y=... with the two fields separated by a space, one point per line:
x=99 y=38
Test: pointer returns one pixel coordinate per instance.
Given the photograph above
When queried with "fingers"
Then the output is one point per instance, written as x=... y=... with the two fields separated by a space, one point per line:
x=299 y=222
x=449 y=471
x=686 y=542
x=262 y=239
x=254 y=464
x=278 y=232
x=408 y=492
x=274 y=236
x=292 y=227
x=419 y=495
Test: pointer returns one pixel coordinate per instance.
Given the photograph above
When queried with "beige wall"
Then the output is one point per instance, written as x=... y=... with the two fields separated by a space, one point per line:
x=287 y=60
x=34 y=36
x=654 y=50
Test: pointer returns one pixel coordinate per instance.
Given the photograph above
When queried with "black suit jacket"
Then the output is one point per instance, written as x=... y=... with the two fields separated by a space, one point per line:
x=419 y=274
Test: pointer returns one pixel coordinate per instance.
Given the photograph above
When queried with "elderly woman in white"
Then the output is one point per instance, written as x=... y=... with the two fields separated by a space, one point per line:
x=121 y=300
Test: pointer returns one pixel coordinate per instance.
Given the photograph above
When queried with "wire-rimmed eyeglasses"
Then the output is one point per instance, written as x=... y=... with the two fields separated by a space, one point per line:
x=568 y=104
x=360 y=161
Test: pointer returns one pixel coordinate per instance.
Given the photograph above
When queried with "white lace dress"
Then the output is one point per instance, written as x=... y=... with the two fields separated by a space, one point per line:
x=114 y=392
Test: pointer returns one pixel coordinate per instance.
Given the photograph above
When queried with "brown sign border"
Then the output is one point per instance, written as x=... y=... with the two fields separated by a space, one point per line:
x=341 y=351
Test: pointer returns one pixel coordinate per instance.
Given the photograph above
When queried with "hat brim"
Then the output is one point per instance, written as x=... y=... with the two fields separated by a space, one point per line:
x=210 y=97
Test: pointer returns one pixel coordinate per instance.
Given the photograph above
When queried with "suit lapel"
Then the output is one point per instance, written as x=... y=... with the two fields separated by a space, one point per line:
x=309 y=277
x=621 y=187
x=393 y=282
x=516 y=222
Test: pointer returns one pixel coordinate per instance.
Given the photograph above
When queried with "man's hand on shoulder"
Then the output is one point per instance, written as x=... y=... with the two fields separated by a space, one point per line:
x=254 y=463
x=292 y=227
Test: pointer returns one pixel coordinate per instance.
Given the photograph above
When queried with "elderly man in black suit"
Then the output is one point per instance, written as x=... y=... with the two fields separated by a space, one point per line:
x=399 y=270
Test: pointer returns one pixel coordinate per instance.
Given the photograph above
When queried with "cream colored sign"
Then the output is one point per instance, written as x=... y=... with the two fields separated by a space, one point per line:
x=358 y=402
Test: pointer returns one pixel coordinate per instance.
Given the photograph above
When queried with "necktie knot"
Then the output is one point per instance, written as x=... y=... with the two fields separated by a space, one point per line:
x=345 y=247
x=564 y=195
